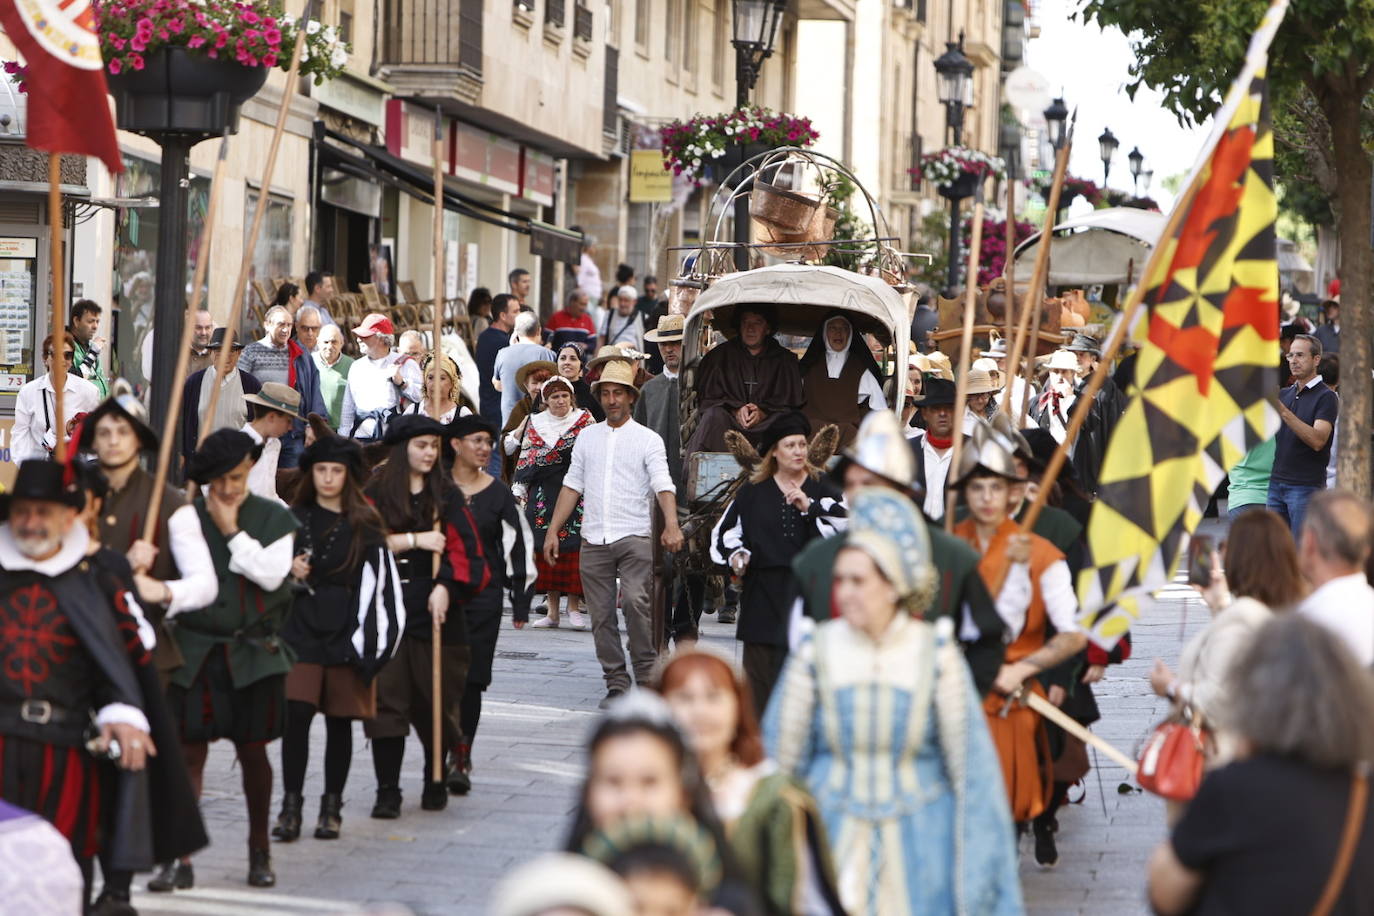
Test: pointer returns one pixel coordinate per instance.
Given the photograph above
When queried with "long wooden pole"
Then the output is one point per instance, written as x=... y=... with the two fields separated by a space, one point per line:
x=1083 y=405
x=1030 y=362
x=251 y=243
x=435 y=411
x=58 y=372
x=1034 y=297
x=965 y=347
x=169 y=423
x=1009 y=271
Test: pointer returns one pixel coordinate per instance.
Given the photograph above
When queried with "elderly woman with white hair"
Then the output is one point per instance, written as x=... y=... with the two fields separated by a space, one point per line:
x=376 y=384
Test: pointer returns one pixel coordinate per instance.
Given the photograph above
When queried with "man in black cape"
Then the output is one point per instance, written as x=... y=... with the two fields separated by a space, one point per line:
x=71 y=657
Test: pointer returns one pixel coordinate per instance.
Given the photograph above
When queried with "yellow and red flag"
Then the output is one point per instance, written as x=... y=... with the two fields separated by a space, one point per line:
x=1206 y=376
x=68 y=107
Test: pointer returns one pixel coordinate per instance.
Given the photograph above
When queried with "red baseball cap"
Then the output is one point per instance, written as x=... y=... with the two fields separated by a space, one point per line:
x=374 y=323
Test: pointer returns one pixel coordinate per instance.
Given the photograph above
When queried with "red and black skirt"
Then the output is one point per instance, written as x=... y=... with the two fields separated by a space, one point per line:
x=59 y=783
x=563 y=576
x=212 y=707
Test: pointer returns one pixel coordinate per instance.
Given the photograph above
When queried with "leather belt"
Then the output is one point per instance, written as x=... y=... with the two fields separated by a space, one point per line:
x=36 y=712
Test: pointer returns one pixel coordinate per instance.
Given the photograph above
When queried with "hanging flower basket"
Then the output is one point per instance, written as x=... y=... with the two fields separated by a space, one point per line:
x=956 y=170
x=691 y=146
x=176 y=91
x=1072 y=188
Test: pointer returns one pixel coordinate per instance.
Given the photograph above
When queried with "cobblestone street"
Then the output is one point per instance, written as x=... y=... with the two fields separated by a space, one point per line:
x=527 y=768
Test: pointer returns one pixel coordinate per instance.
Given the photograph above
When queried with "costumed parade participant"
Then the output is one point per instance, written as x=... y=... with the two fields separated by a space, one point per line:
x=509 y=546
x=841 y=379
x=231 y=684
x=545 y=455
x=784 y=505
x=65 y=669
x=877 y=715
x=880 y=457
x=345 y=622
x=440 y=563
x=775 y=829
x=1034 y=590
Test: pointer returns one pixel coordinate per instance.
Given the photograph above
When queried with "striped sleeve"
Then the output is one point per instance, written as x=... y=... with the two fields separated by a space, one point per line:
x=380 y=613
x=728 y=535
x=463 y=562
x=518 y=544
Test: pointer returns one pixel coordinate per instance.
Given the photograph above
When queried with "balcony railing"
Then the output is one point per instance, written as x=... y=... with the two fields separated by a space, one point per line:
x=555 y=12
x=432 y=32
x=582 y=23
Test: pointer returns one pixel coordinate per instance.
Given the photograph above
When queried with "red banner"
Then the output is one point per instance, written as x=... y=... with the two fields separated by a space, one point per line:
x=68 y=109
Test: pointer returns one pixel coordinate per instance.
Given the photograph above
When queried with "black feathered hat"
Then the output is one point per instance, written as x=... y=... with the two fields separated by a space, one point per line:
x=793 y=423
x=407 y=427
x=44 y=480
x=329 y=447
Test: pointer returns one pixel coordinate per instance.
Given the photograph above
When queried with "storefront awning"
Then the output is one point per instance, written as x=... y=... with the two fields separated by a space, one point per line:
x=376 y=164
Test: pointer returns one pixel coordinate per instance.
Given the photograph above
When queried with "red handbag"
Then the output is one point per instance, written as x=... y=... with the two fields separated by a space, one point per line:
x=1171 y=761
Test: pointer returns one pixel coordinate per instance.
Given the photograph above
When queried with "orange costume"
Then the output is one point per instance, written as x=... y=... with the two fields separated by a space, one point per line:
x=1018 y=733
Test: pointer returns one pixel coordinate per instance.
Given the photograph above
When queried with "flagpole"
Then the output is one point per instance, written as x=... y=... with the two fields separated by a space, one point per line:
x=1084 y=403
x=435 y=411
x=241 y=283
x=965 y=347
x=169 y=422
x=1030 y=363
x=1042 y=257
x=1009 y=268
x=58 y=373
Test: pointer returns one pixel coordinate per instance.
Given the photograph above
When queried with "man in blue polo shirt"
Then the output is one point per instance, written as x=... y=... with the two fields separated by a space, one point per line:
x=1308 y=409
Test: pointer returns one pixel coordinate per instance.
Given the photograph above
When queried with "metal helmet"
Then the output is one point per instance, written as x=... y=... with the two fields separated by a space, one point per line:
x=881 y=448
x=989 y=450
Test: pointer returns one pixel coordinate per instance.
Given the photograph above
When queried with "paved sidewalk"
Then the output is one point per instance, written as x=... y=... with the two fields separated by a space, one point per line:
x=528 y=765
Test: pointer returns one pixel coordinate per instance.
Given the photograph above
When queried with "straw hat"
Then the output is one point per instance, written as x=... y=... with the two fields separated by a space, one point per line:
x=1063 y=359
x=606 y=354
x=669 y=330
x=984 y=364
x=523 y=374
x=618 y=372
x=980 y=382
x=918 y=361
x=940 y=365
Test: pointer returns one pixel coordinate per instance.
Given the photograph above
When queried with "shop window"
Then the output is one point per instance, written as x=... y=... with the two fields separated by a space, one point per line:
x=718 y=47
x=271 y=254
x=135 y=263
x=689 y=38
x=642 y=25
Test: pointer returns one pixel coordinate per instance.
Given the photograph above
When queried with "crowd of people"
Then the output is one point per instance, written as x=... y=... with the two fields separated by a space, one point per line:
x=358 y=529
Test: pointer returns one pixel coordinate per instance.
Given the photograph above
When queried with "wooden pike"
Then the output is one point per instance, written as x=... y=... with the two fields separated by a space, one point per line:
x=965 y=347
x=246 y=264
x=1009 y=267
x=1083 y=404
x=169 y=423
x=58 y=372
x=435 y=411
x=1056 y=715
x=1042 y=259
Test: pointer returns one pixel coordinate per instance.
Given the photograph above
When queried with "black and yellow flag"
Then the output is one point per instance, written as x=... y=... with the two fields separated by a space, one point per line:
x=1206 y=376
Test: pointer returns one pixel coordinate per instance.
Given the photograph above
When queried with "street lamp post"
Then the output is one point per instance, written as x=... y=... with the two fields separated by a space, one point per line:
x=1056 y=118
x=1137 y=159
x=955 y=75
x=755 y=29
x=1107 y=144
x=1146 y=177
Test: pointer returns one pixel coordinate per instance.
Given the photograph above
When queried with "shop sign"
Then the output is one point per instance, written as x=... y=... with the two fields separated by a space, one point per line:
x=538 y=178
x=352 y=97
x=650 y=182
x=410 y=132
x=18 y=248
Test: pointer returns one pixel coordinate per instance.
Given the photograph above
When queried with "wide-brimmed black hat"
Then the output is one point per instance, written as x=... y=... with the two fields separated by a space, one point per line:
x=329 y=447
x=121 y=403
x=44 y=480
x=793 y=423
x=221 y=452
x=937 y=392
x=1084 y=343
x=407 y=427
x=217 y=340
x=462 y=427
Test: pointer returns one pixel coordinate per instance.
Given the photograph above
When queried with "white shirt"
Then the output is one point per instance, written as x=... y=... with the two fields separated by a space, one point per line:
x=618 y=471
x=35 y=434
x=589 y=277
x=198 y=584
x=1020 y=391
x=937 y=472
x=262 y=479
x=265 y=566
x=1056 y=590
x=370 y=388
x=1345 y=606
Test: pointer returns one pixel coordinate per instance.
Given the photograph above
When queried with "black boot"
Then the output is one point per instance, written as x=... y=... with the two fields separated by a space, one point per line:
x=260 y=872
x=173 y=875
x=113 y=903
x=434 y=797
x=459 y=777
x=1046 y=851
x=331 y=803
x=387 y=807
x=289 y=821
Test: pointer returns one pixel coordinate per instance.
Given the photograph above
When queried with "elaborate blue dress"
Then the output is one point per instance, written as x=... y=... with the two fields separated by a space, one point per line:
x=890 y=738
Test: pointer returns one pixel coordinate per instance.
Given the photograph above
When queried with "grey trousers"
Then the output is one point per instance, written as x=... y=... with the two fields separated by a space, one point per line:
x=630 y=559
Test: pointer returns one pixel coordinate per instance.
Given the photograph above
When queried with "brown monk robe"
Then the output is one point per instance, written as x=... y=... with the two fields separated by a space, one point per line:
x=842 y=380
x=745 y=383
